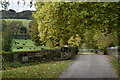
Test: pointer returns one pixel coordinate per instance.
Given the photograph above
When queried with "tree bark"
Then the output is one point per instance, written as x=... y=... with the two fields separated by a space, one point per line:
x=105 y=51
x=119 y=46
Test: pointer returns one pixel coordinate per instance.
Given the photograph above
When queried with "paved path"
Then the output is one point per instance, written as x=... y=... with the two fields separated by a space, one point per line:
x=86 y=53
x=89 y=66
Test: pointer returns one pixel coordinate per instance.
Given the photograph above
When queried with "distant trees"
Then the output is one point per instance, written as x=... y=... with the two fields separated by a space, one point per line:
x=18 y=27
x=103 y=41
x=24 y=15
x=11 y=14
x=8 y=14
x=88 y=39
x=23 y=30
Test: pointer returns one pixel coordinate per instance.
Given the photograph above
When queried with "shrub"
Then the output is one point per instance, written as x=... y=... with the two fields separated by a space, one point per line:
x=7 y=38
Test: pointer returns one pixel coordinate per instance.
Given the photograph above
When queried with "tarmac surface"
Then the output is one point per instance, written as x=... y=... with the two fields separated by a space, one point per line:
x=90 y=66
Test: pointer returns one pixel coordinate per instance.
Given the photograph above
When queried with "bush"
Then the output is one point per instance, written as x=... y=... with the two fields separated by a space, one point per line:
x=7 y=38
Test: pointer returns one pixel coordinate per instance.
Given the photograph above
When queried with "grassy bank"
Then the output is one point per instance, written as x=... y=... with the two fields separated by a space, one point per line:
x=10 y=65
x=116 y=65
x=24 y=21
x=27 y=45
x=43 y=70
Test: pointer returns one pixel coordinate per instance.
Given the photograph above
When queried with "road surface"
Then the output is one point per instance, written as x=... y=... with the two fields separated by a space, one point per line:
x=89 y=66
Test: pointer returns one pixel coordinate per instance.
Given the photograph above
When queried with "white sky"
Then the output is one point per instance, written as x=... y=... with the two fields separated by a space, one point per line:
x=18 y=8
x=21 y=6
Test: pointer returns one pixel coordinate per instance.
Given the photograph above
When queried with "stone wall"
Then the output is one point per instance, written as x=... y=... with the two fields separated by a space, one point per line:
x=113 y=51
x=31 y=56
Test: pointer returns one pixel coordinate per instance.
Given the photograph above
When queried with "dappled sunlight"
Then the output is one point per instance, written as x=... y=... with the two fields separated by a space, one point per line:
x=87 y=53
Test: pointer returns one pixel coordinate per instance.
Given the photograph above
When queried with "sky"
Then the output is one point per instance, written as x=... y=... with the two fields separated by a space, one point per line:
x=18 y=8
x=21 y=6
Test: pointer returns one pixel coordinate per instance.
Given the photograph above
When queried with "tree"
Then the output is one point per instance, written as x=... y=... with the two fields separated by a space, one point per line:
x=10 y=29
x=23 y=30
x=59 y=21
x=106 y=18
x=74 y=41
x=7 y=38
x=5 y=4
x=4 y=25
x=18 y=27
x=33 y=32
x=103 y=41
x=88 y=38
x=103 y=18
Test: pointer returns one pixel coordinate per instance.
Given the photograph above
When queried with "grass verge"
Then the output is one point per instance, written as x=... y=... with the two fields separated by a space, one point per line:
x=10 y=65
x=43 y=70
x=116 y=65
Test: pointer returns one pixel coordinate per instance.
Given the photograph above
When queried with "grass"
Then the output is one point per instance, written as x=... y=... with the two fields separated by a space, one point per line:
x=116 y=65
x=29 y=45
x=10 y=65
x=44 y=70
x=24 y=21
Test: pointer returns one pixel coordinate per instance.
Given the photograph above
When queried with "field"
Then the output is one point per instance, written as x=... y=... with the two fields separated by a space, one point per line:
x=22 y=44
x=24 y=21
x=26 y=45
x=42 y=70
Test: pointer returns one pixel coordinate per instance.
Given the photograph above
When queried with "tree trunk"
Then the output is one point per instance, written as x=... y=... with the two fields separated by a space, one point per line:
x=119 y=46
x=105 y=51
